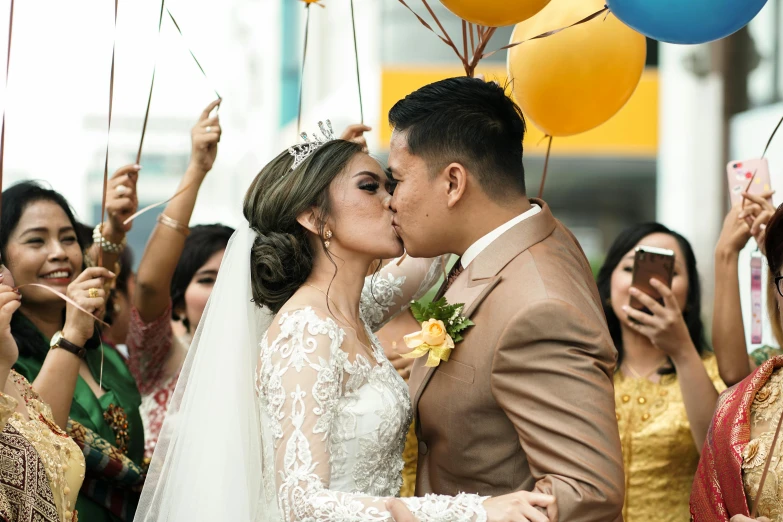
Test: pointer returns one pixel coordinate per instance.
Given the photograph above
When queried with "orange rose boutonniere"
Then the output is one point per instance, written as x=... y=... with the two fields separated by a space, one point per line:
x=441 y=327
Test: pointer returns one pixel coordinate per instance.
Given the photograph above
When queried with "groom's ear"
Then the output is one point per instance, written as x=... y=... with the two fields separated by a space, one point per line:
x=457 y=177
x=309 y=220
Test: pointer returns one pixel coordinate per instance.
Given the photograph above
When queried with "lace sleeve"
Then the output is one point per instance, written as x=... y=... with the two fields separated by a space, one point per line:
x=300 y=382
x=391 y=291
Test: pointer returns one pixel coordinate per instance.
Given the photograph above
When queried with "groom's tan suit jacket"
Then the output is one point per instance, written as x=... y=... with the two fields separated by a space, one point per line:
x=526 y=400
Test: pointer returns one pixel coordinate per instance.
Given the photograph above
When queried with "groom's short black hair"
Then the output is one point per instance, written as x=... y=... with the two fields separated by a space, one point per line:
x=468 y=121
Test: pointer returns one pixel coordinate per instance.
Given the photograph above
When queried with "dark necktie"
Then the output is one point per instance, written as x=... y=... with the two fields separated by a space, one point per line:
x=456 y=270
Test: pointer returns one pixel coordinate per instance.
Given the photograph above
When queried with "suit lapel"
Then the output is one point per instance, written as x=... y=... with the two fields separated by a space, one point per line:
x=482 y=277
x=471 y=295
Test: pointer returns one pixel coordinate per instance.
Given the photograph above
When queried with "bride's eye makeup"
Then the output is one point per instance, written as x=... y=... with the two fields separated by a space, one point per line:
x=368 y=181
x=370 y=186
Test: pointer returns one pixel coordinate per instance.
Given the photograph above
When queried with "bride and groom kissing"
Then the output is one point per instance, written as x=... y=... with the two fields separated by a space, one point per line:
x=287 y=408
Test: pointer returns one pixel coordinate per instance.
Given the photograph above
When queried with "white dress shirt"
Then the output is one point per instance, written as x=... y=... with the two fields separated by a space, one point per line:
x=476 y=248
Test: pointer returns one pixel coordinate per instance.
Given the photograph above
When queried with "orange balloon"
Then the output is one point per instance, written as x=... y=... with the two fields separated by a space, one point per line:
x=494 y=13
x=579 y=78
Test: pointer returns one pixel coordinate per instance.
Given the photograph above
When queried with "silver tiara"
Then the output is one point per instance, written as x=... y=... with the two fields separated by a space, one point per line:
x=302 y=151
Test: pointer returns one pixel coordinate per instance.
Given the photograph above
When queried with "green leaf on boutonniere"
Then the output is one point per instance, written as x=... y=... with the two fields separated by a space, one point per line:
x=441 y=310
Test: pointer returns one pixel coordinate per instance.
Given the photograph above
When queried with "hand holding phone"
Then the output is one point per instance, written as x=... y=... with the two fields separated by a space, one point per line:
x=651 y=263
x=654 y=310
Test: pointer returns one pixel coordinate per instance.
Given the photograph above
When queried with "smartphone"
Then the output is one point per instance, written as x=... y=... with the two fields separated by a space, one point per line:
x=740 y=174
x=651 y=263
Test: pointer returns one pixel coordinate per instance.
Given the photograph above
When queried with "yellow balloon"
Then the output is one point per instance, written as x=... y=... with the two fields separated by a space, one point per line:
x=494 y=13
x=579 y=78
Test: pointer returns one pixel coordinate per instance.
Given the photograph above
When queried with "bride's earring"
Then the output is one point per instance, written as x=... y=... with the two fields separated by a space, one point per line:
x=327 y=238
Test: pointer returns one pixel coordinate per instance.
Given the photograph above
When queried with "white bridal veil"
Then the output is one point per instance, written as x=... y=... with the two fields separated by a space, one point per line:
x=208 y=462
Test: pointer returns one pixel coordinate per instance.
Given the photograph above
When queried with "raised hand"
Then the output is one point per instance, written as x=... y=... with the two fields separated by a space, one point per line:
x=736 y=231
x=88 y=291
x=757 y=213
x=10 y=301
x=665 y=328
x=205 y=137
x=355 y=133
x=121 y=199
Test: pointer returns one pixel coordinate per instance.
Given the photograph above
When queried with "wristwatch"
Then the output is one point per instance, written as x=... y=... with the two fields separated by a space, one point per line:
x=58 y=341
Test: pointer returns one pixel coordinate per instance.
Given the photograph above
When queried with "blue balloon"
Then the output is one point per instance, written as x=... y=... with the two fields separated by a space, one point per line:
x=686 y=21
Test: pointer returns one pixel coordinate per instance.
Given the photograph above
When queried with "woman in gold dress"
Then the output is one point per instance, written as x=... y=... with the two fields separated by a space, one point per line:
x=25 y=418
x=666 y=382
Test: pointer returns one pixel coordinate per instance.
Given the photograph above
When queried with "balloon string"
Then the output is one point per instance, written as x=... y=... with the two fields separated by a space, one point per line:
x=2 y=126
x=191 y=52
x=771 y=137
x=546 y=168
x=486 y=36
x=552 y=32
x=152 y=84
x=155 y=205
x=445 y=38
x=301 y=77
x=108 y=139
x=356 y=53
x=465 y=38
x=425 y=24
x=61 y=296
x=472 y=41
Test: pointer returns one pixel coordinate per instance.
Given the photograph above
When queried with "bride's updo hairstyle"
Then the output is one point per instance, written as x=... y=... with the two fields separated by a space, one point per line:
x=282 y=255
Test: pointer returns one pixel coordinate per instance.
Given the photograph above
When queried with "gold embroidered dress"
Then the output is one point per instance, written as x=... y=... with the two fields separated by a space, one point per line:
x=659 y=453
x=764 y=415
x=62 y=458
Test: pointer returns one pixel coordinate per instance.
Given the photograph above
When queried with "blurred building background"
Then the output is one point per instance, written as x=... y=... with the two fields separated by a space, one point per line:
x=661 y=158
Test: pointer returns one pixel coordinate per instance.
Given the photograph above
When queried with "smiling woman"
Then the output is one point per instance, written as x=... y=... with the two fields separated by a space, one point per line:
x=39 y=245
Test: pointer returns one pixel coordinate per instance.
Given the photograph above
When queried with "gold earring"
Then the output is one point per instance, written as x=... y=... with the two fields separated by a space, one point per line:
x=327 y=236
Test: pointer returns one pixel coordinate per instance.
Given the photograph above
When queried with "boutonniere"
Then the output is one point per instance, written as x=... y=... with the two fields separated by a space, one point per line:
x=442 y=325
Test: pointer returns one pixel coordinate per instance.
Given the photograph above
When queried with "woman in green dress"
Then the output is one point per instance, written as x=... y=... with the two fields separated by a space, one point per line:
x=41 y=249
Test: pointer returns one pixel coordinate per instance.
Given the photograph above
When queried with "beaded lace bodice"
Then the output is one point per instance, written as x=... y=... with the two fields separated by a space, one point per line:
x=338 y=421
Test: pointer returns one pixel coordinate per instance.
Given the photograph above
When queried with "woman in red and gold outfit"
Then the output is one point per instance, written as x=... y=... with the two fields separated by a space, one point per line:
x=739 y=441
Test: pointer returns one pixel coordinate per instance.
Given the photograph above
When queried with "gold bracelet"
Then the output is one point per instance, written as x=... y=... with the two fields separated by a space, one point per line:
x=163 y=219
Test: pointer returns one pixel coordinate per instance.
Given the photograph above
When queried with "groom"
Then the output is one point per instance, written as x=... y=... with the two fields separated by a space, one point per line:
x=525 y=401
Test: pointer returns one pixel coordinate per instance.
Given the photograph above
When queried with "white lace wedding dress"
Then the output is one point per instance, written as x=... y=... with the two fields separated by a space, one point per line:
x=335 y=426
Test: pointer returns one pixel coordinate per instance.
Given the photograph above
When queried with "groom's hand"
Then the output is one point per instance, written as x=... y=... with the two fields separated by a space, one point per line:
x=399 y=511
x=522 y=506
x=742 y=518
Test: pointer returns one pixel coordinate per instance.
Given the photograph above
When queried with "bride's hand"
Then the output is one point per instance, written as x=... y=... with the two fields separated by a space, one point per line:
x=518 y=507
x=399 y=511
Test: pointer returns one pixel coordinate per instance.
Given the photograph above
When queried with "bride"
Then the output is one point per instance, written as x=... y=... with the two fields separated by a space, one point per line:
x=287 y=408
